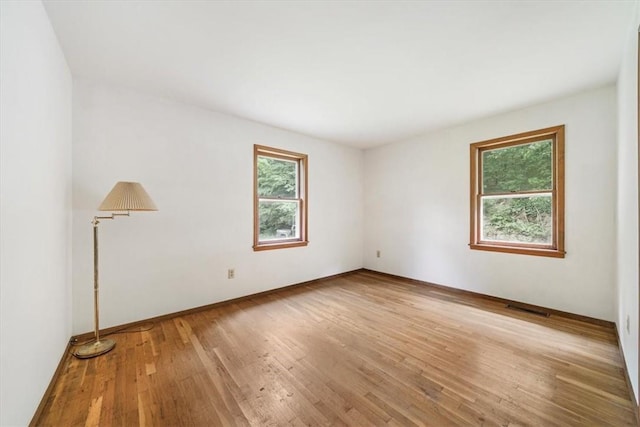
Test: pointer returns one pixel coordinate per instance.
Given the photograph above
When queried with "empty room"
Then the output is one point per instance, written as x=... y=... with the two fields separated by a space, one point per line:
x=322 y=213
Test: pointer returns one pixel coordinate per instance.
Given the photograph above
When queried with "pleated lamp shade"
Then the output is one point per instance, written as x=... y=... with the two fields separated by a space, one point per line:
x=127 y=196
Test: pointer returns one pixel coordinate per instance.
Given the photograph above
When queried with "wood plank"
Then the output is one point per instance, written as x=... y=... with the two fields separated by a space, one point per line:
x=362 y=349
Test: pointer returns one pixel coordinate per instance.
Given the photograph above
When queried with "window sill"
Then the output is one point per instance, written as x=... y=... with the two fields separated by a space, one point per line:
x=279 y=245
x=553 y=253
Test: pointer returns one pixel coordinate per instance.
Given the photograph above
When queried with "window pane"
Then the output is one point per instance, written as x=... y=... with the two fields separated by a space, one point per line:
x=279 y=219
x=517 y=219
x=277 y=178
x=526 y=167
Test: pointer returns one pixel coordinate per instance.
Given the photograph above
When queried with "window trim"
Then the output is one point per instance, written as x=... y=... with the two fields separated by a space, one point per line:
x=556 y=249
x=303 y=171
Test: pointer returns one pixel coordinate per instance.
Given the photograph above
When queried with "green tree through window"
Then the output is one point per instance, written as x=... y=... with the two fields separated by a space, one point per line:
x=513 y=170
x=280 y=212
x=517 y=193
x=277 y=180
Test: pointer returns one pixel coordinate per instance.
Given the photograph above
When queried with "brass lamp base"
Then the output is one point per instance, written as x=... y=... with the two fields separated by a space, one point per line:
x=94 y=349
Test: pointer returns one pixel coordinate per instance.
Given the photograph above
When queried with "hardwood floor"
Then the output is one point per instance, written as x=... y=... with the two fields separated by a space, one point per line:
x=358 y=350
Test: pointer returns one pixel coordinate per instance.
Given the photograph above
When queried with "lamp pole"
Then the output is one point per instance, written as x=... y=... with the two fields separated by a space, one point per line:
x=97 y=347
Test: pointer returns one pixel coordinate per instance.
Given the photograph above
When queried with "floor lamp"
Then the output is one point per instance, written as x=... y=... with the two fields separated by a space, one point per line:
x=125 y=196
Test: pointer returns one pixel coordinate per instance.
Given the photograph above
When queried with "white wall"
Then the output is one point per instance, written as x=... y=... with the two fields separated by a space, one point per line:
x=197 y=165
x=417 y=210
x=35 y=210
x=627 y=231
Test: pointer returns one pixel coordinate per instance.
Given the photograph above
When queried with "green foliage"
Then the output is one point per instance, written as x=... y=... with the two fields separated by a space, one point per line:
x=526 y=167
x=277 y=180
x=276 y=216
x=526 y=219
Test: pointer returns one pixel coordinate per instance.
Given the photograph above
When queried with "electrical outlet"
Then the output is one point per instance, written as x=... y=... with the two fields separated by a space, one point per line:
x=231 y=273
x=628 y=325
x=378 y=253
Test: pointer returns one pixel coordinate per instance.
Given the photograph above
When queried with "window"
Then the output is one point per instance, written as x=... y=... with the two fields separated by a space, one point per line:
x=280 y=196
x=517 y=193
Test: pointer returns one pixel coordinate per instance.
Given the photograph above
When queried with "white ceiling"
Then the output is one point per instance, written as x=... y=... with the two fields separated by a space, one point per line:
x=362 y=73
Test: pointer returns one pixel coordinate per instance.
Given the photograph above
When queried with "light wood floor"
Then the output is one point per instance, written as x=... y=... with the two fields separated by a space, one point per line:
x=358 y=350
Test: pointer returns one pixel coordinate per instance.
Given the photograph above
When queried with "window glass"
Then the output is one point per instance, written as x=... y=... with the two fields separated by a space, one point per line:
x=279 y=219
x=517 y=219
x=277 y=177
x=526 y=167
